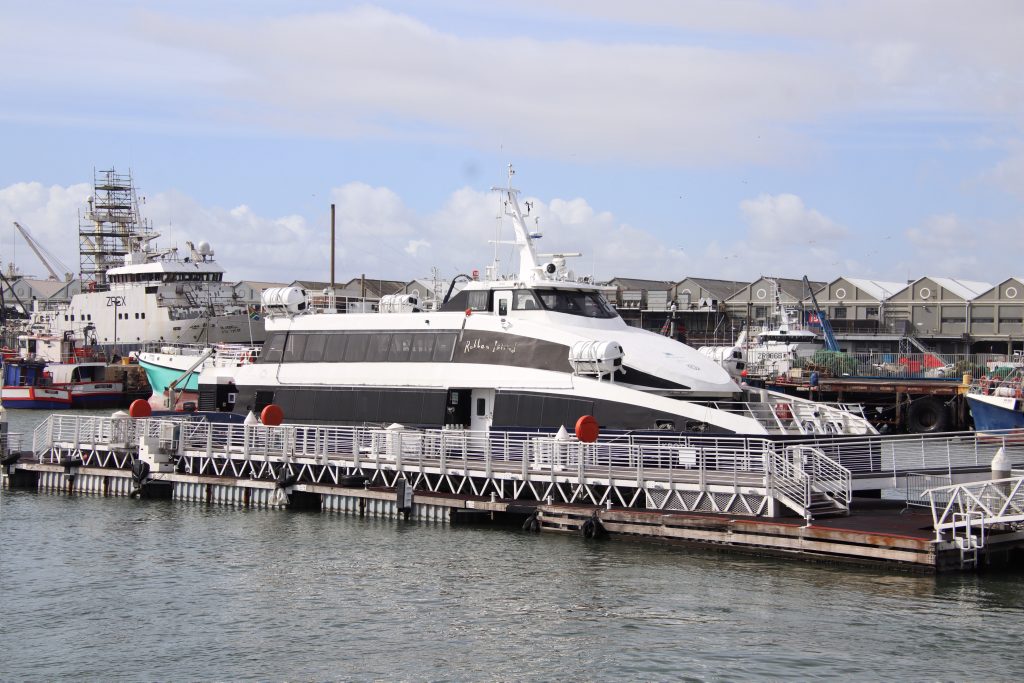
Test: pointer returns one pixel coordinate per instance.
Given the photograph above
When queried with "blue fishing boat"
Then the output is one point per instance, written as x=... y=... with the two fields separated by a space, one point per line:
x=997 y=403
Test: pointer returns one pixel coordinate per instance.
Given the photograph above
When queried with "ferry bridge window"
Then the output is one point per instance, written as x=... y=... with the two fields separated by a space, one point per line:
x=477 y=300
x=575 y=302
x=524 y=300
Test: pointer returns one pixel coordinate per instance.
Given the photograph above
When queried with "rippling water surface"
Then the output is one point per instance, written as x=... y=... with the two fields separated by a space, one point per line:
x=94 y=588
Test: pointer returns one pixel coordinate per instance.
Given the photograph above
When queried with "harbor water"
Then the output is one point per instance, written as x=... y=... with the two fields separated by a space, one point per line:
x=94 y=588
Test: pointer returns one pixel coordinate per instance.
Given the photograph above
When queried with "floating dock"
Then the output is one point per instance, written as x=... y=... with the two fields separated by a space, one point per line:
x=813 y=499
x=906 y=404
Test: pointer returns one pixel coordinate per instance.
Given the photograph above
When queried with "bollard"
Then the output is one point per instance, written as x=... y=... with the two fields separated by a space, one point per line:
x=1002 y=469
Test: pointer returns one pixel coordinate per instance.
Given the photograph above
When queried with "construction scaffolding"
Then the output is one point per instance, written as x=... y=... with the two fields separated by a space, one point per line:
x=106 y=231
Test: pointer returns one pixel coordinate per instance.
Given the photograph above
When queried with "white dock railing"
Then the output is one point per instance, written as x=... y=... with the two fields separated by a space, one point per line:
x=796 y=466
x=636 y=461
x=982 y=504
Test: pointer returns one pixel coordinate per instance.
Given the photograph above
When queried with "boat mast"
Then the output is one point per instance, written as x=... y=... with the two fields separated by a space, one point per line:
x=529 y=267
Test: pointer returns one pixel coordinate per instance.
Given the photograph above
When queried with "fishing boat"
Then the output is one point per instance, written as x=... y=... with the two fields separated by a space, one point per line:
x=997 y=401
x=27 y=384
x=538 y=348
x=173 y=372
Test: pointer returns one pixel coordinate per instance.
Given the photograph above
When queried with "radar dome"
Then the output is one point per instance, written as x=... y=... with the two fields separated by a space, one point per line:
x=204 y=248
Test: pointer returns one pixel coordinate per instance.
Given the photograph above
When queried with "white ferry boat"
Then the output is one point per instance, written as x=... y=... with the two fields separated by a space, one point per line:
x=538 y=349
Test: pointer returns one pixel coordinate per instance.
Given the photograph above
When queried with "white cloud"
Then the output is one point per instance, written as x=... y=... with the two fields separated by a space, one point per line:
x=942 y=233
x=413 y=247
x=783 y=219
x=716 y=83
x=1008 y=174
x=380 y=236
x=51 y=215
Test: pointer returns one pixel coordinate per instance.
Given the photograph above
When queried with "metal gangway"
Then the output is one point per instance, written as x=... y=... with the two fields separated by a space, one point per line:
x=968 y=512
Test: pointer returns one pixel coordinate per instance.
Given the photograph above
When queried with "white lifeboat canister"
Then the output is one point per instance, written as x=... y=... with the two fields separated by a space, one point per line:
x=595 y=357
x=284 y=300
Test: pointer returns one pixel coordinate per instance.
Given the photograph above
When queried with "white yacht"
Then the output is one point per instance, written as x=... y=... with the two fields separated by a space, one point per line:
x=538 y=349
x=771 y=351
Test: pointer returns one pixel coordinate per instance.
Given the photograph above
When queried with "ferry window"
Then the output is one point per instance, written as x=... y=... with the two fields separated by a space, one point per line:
x=356 y=349
x=136 y=316
x=315 y=348
x=335 y=352
x=524 y=300
x=294 y=347
x=422 y=347
x=401 y=344
x=481 y=407
x=143 y=315
x=575 y=302
x=377 y=350
x=443 y=345
x=477 y=300
x=273 y=349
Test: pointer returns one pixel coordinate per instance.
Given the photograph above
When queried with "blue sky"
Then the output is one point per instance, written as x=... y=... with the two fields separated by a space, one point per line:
x=661 y=139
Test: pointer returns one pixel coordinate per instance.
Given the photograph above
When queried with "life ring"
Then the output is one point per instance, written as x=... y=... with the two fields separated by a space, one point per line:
x=783 y=412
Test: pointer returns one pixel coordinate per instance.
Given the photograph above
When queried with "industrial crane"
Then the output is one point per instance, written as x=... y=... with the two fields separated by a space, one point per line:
x=826 y=327
x=40 y=250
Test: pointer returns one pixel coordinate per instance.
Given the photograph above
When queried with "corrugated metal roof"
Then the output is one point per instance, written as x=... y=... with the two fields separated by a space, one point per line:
x=723 y=288
x=639 y=283
x=965 y=289
x=879 y=289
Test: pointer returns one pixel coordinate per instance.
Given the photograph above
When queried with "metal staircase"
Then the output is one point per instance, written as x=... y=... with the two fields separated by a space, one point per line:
x=810 y=483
